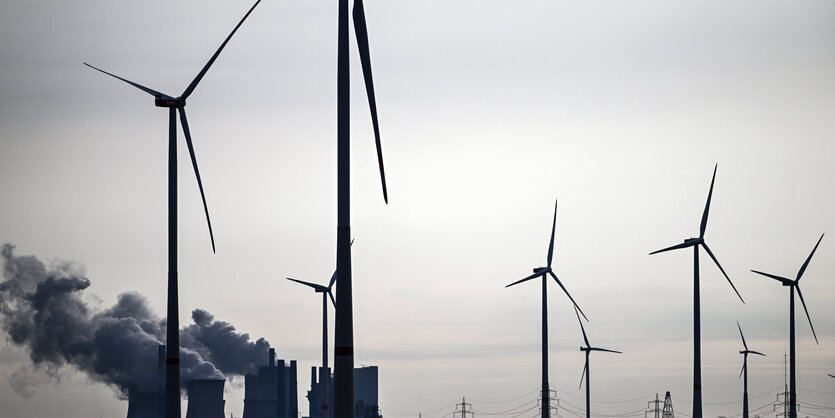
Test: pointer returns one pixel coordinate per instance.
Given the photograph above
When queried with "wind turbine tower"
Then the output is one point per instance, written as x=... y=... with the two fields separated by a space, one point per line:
x=343 y=371
x=697 y=341
x=324 y=372
x=586 y=370
x=794 y=285
x=544 y=272
x=745 y=371
x=175 y=106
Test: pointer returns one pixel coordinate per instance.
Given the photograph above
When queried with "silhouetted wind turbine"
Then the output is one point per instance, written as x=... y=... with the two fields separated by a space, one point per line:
x=324 y=374
x=343 y=362
x=174 y=105
x=745 y=371
x=697 y=342
x=792 y=285
x=544 y=272
x=586 y=371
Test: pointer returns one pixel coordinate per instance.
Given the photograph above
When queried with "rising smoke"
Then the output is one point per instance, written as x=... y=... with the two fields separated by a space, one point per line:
x=41 y=310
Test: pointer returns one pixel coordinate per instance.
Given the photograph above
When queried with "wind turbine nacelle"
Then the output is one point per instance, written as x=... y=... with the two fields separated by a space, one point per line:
x=540 y=269
x=691 y=240
x=167 y=102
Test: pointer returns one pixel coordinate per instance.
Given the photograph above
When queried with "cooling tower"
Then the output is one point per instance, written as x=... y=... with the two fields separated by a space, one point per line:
x=150 y=404
x=205 y=398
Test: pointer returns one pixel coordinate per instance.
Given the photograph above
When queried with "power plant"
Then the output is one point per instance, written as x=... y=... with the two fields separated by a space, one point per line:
x=272 y=391
x=366 y=390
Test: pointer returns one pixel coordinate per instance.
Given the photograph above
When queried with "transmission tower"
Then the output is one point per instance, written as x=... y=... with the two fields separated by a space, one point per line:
x=553 y=402
x=668 y=407
x=783 y=404
x=466 y=409
x=652 y=406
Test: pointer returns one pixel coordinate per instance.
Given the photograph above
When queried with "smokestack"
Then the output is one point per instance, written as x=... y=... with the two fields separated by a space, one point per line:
x=271 y=362
x=161 y=381
x=293 y=391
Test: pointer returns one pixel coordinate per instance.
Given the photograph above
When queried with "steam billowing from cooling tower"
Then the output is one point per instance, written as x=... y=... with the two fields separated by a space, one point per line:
x=41 y=309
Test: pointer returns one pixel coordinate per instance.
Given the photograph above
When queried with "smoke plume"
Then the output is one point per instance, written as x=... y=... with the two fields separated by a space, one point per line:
x=41 y=309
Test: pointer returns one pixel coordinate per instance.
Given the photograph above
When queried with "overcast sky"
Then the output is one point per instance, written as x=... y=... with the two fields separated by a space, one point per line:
x=488 y=112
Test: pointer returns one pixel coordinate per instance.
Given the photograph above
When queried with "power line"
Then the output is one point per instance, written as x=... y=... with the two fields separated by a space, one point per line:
x=509 y=400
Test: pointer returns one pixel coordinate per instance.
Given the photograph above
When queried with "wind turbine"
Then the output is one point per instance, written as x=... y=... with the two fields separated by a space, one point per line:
x=697 y=342
x=175 y=105
x=343 y=362
x=544 y=272
x=324 y=374
x=745 y=371
x=792 y=285
x=586 y=371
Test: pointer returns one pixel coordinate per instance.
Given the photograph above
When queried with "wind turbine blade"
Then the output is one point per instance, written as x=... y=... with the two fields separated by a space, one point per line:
x=553 y=229
x=365 y=58
x=744 y=363
x=757 y=353
x=675 y=247
x=743 y=337
x=581 y=327
x=799 y=293
x=585 y=367
x=202 y=72
x=832 y=376
x=532 y=276
x=803 y=269
x=196 y=171
x=778 y=278
x=707 y=205
x=333 y=277
x=139 y=86
x=333 y=280
x=314 y=286
x=606 y=350
x=333 y=301
x=710 y=253
x=567 y=294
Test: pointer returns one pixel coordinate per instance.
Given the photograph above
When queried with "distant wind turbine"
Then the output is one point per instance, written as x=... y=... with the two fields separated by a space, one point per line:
x=324 y=374
x=745 y=371
x=343 y=362
x=792 y=285
x=174 y=105
x=697 y=342
x=544 y=272
x=586 y=371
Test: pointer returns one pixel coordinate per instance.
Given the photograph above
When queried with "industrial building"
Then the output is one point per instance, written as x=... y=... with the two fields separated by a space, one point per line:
x=365 y=393
x=273 y=391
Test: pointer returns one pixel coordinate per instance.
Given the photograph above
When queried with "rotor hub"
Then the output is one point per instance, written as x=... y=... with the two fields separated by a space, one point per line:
x=169 y=102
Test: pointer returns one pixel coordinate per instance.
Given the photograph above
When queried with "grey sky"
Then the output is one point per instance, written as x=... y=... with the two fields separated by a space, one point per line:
x=489 y=110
